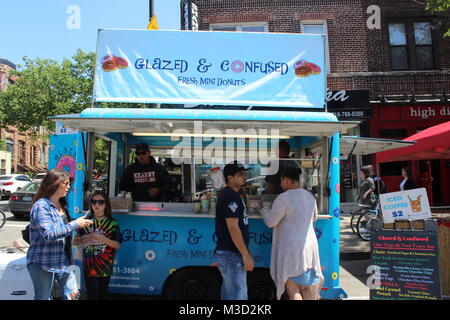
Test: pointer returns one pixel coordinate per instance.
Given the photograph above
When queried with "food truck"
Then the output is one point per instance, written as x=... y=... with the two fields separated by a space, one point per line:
x=217 y=97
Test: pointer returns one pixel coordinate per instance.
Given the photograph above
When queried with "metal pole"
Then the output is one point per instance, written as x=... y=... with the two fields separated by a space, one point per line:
x=151 y=11
x=189 y=14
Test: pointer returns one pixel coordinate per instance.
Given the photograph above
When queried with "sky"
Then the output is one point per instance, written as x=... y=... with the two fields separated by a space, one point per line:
x=54 y=29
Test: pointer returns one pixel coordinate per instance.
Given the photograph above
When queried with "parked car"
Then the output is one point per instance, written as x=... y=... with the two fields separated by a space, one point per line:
x=98 y=185
x=11 y=182
x=20 y=201
x=39 y=177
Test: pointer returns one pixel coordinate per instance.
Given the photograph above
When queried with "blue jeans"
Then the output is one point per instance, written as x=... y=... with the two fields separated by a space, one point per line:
x=42 y=281
x=231 y=267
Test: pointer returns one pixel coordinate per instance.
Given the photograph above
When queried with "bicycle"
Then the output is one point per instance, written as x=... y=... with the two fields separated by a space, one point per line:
x=364 y=224
x=355 y=216
x=2 y=218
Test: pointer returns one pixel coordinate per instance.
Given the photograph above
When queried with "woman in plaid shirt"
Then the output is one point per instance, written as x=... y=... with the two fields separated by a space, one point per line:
x=47 y=256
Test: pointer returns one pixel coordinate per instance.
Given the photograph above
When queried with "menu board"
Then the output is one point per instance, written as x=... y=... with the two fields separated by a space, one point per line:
x=408 y=265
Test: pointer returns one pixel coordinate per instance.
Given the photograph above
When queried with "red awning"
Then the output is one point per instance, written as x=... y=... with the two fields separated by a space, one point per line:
x=432 y=143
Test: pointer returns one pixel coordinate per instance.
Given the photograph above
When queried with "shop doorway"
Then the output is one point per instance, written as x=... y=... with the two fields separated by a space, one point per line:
x=425 y=179
x=436 y=182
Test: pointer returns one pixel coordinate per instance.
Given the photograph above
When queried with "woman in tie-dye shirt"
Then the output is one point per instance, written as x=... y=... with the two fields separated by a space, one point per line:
x=100 y=241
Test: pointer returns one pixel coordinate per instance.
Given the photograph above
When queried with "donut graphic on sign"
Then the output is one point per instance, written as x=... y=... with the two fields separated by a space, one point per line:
x=67 y=163
x=111 y=63
x=305 y=69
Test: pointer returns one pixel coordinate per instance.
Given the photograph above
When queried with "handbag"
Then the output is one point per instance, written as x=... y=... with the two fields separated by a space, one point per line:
x=26 y=234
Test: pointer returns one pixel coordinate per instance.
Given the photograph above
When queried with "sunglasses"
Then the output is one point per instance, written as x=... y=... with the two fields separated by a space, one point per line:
x=100 y=202
x=140 y=153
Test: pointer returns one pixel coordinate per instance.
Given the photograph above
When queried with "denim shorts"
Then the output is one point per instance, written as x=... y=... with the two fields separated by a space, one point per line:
x=231 y=267
x=307 y=279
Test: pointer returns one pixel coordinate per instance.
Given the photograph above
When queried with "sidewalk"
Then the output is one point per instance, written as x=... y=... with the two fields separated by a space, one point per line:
x=354 y=260
x=352 y=247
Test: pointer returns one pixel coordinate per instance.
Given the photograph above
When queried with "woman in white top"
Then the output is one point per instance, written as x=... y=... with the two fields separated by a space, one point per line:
x=295 y=263
x=407 y=183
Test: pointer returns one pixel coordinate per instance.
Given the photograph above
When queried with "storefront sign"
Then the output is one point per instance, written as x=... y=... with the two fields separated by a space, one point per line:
x=426 y=112
x=407 y=265
x=349 y=104
x=224 y=68
x=405 y=205
x=353 y=114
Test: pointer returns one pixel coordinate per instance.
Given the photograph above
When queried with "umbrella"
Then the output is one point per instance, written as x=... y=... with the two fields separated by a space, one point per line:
x=432 y=143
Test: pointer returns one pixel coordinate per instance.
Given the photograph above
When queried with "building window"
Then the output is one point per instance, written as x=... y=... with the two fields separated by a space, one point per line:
x=318 y=27
x=393 y=133
x=9 y=145
x=243 y=27
x=21 y=151
x=44 y=154
x=3 y=166
x=392 y=168
x=411 y=45
x=33 y=155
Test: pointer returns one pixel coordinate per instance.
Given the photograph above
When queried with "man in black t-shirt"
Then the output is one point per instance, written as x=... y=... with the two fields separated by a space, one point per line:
x=233 y=256
x=146 y=179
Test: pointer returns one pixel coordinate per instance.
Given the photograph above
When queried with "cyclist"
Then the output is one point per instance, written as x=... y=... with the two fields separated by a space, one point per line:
x=367 y=196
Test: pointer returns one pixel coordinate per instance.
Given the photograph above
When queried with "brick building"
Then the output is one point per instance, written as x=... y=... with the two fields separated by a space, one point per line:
x=394 y=52
x=28 y=153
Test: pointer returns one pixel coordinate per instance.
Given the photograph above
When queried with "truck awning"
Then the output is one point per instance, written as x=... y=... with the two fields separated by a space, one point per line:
x=363 y=145
x=165 y=121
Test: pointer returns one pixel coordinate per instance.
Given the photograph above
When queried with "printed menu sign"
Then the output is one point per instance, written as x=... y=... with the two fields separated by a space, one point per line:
x=408 y=265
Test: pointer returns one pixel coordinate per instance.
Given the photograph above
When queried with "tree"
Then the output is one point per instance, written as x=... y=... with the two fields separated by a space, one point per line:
x=438 y=6
x=101 y=155
x=45 y=88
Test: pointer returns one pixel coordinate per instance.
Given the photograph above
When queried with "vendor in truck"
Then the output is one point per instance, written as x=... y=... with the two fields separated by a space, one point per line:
x=284 y=162
x=147 y=180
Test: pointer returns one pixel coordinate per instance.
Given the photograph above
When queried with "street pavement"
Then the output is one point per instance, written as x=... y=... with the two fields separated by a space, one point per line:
x=355 y=259
x=355 y=253
x=12 y=230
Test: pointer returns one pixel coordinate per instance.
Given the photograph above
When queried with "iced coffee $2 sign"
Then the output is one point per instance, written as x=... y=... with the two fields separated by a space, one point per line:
x=405 y=205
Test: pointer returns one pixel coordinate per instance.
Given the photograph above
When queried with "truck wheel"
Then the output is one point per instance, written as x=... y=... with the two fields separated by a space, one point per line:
x=260 y=285
x=193 y=283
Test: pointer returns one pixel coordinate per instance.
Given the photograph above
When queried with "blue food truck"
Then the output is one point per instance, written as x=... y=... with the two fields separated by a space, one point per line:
x=216 y=97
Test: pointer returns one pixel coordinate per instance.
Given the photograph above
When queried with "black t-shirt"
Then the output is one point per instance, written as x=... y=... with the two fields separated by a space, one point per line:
x=230 y=205
x=139 y=178
x=68 y=243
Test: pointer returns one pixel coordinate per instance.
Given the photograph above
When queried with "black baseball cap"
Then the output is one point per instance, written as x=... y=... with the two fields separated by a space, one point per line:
x=232 y=168
x=142 y=147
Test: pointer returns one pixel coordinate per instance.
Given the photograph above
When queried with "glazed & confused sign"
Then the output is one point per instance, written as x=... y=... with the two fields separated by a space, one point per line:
x=223 y=68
